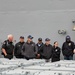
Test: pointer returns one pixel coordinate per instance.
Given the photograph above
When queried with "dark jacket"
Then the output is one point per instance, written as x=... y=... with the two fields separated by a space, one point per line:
x=55 y=54
x=9 y=48
x=29 y=50
x=17 y=50
x=47 y=51
x=67 y=48
x=39 y=47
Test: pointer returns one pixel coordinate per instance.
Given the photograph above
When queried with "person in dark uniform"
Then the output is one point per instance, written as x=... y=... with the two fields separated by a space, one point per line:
x=56 y=52
x=68 y=48
x=18 y=48
x=8 y=47
x=39 y=45
x=47 y=50
x=29 y=49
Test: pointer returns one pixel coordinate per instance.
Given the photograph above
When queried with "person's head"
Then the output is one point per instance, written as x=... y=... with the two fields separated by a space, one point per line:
x=39 y=40
x=29 y=39
x=47 y=41
x=56 y=44
x=68 y=39
x=21 y=38
x=10 y=37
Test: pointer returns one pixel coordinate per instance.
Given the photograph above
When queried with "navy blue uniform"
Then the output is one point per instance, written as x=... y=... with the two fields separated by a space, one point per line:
x=17 y=50
x=68 y=48
x=9 y=48
x=56 y=54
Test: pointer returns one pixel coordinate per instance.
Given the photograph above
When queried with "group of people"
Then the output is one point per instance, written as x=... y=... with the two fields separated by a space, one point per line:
x=29 y=50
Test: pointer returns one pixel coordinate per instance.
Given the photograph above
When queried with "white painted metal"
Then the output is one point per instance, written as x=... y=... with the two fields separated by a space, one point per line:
x=36 y=67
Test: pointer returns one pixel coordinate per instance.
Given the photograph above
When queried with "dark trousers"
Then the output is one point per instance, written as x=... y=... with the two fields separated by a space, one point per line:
x=55 y=59
x=68 y=57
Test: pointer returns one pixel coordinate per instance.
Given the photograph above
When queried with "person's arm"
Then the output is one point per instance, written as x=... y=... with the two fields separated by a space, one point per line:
x=23 y=49
x=51 y=51
x=35 y=49
x=3 y=48
x=63 y=49
x=4 y=51
x=73 y=48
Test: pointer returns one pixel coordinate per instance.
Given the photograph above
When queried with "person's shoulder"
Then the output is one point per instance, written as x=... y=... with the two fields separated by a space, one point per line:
x=36 y=44
x=17 y=43
x=50 y=45
x=33 y=43
x=5 y=41
x=53 y=47
x=72 y=42
x=24 y=43
x=42 y=43
x=59 y=48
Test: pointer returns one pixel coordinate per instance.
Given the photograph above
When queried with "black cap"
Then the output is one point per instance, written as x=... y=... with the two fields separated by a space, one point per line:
x=30 y=37
x=68 y=37
x=39 y=39
x=22 y=37
x=47 y=39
